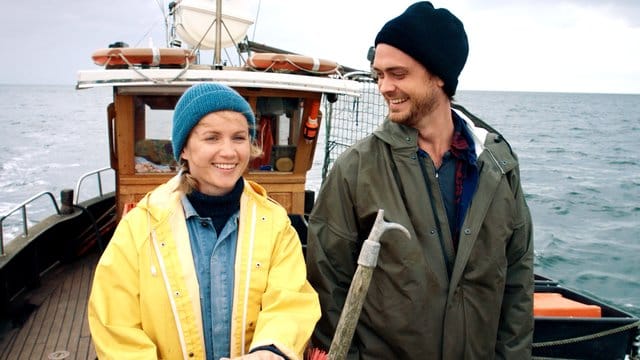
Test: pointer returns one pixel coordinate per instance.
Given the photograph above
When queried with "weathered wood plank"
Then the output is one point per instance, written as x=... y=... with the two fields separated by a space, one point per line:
x=54 y=327
x=59 y=322
x=78 y=315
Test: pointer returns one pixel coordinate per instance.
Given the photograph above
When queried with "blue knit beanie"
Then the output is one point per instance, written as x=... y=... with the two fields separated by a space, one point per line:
x=203 y=99
x=433 y=37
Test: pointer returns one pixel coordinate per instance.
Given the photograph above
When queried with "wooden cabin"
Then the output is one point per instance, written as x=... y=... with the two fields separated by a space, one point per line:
x=140 y=141
x=140 y=119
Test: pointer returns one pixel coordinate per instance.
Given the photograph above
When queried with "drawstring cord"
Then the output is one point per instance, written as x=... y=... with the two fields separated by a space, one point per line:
x=152 y=240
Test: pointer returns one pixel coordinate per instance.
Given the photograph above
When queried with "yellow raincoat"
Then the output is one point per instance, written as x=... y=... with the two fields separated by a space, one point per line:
x=145 y=303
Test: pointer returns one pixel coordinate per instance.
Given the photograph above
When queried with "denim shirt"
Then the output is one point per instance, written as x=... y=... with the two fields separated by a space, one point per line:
x=214 y=259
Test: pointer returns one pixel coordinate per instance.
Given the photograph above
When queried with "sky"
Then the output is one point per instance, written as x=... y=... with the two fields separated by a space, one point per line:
x=544 y=45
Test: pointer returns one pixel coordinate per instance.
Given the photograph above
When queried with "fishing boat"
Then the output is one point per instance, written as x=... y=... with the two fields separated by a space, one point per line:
x=300 y=102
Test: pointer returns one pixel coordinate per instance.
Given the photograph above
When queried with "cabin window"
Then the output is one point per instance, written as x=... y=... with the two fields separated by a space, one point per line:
x=277 y=130
x=152 y=145
x=278 y=126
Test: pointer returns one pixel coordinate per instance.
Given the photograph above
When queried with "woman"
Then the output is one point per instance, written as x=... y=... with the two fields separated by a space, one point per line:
x=206 y=265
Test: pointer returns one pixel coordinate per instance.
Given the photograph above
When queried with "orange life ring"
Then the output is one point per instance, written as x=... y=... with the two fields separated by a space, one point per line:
x=142 y=56
x=291 y=63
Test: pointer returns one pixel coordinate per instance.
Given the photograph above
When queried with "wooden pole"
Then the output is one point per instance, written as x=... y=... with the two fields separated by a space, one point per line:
x=367 y=261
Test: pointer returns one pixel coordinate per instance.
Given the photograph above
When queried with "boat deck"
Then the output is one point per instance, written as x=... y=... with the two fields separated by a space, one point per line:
x=54 y=322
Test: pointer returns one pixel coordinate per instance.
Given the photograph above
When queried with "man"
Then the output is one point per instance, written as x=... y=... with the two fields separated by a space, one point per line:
x=462 y=286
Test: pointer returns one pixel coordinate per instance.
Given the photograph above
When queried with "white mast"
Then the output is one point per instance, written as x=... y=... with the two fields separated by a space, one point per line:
x=217 y=60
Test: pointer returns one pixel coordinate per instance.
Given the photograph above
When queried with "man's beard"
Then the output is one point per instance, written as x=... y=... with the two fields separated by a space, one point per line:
x=421 y=106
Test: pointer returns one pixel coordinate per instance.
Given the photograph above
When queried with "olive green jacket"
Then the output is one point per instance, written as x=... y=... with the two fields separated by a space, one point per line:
x=477 y=305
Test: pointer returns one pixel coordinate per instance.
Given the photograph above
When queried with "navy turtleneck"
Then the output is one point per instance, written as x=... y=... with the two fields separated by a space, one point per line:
x=217 y=208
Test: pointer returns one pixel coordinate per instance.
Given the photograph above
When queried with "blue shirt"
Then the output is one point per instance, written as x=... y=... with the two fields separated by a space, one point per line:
x=457 y=176
x=214 y=260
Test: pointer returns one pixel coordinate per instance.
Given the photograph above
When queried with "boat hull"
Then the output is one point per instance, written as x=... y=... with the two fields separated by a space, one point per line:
x=56 y=239
x=610 y=336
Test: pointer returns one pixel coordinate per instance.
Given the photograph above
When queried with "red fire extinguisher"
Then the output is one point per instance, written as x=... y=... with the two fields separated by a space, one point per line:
x=310 y=130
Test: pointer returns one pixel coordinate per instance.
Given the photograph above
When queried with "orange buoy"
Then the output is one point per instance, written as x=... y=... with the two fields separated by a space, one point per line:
x=142 y=56
x=291 y=63
x=554 y=304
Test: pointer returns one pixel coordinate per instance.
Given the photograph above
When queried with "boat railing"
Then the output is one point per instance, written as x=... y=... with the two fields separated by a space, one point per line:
x=98 y=174
x=23 y=208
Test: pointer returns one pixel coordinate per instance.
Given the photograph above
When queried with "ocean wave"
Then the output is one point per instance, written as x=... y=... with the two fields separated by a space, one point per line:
x=624 y=162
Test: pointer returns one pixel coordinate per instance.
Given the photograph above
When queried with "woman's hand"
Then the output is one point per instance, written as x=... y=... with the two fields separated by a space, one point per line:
x=258 y=355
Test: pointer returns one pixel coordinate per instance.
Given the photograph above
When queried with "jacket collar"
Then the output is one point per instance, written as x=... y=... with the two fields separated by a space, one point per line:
x=490 y=147
x=166 y=199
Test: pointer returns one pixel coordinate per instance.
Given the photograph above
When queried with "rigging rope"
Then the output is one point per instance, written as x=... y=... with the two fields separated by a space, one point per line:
x=587 y=337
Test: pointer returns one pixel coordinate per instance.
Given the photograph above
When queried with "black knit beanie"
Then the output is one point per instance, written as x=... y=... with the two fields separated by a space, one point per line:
x=434 y=37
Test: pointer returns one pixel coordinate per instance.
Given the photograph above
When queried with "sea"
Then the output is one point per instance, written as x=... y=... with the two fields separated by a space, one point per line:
x=579 y=161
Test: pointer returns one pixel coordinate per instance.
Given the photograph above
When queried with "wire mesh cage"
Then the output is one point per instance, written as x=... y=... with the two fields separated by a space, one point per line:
x=352 y=118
